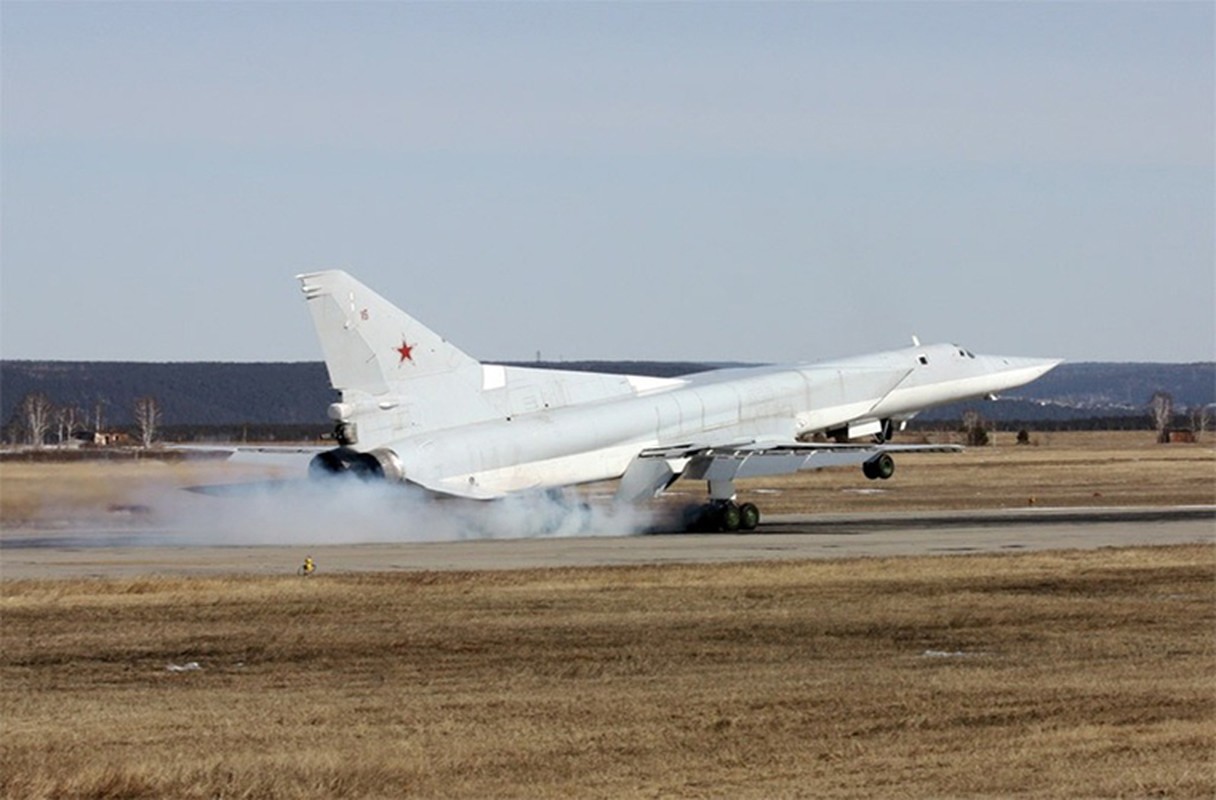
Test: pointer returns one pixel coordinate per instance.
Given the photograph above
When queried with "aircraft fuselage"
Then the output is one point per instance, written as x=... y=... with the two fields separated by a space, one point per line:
x=597 y=441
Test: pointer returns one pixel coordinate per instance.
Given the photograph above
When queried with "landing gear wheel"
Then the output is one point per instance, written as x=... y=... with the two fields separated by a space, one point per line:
x=881 y=466
x=749 y=517
x=721 y=516
x=729 y=517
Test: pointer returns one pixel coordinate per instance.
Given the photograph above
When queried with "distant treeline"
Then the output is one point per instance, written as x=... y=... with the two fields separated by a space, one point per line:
x=259 y=432
x=287 y=401
x=186 y=393
x=1133 y=422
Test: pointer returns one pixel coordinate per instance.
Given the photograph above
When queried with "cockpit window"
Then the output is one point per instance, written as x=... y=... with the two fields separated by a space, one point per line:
x=965 y=353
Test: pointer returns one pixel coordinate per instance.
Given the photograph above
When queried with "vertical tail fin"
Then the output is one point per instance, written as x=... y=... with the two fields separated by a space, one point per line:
x=369 y=344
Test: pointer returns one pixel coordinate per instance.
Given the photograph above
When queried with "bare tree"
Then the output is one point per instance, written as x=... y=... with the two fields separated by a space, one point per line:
x=973 y=429
x=147 y=419
x=1161 y=409
x=1201 y=418
x=99 y=414
x=68 y=418
x=37 y=411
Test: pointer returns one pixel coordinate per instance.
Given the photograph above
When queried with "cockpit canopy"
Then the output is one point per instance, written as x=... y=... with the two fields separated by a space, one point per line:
x=963 y=352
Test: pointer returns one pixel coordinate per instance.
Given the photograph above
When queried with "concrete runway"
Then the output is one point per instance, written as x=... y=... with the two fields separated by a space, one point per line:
x=126 y=551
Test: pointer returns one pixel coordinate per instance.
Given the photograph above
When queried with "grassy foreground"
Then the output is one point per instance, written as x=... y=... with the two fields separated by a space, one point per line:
x=1062 y=674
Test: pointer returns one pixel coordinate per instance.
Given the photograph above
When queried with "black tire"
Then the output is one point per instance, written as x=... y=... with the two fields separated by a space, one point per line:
x=729 y=517
x=882 y=466
x=749 y=517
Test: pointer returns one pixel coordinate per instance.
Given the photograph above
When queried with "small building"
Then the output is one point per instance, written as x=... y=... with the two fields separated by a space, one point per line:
x=103 y=438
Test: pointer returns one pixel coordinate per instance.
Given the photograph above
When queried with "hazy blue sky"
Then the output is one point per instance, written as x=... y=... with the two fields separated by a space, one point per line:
x=654 y=181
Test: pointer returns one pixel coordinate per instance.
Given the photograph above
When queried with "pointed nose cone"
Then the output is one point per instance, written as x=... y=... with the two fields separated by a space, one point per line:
x=1035 y=367
x=1014 y=371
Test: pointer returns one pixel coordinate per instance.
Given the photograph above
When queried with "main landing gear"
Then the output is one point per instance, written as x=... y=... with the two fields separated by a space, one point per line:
x=722 y=516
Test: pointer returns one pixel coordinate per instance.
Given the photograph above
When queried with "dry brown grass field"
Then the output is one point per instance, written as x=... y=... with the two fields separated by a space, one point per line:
x=1062 y=674
x=1059 y=469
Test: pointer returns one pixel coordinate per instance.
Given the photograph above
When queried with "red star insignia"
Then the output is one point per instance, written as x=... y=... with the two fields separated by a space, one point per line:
x=406 y=351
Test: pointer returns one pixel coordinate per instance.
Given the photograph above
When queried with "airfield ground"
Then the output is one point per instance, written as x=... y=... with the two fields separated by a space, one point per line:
x=1060 y=673
x=1058 y=470
x=1067 y=674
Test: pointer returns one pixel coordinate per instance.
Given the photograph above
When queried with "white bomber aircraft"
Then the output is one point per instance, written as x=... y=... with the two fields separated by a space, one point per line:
x=416 y=409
